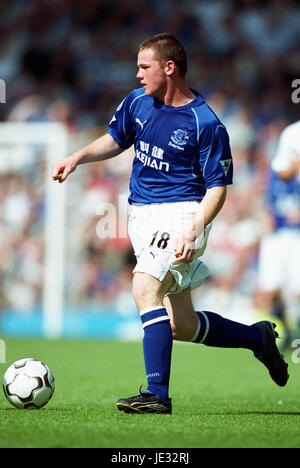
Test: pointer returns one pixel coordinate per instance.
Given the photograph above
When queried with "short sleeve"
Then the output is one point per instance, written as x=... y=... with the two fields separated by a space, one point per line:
x=285 y=154
x=215 y=157
x=120 y=127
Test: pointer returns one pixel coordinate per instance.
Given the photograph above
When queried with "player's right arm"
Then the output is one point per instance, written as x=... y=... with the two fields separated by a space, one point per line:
x=103 y=148
x=291 y=171
x=120 y=136
x=286 y=162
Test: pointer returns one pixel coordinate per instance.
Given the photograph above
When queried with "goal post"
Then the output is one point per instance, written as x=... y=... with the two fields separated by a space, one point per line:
x=54 y=138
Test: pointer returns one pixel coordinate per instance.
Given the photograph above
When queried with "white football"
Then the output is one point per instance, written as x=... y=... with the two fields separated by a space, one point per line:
x=28 y=383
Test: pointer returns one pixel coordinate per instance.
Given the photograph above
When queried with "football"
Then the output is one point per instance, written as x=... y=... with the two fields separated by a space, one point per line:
x=28 y=383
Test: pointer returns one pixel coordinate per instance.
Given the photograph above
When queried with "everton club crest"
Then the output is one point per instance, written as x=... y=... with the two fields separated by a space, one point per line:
x=179 y=137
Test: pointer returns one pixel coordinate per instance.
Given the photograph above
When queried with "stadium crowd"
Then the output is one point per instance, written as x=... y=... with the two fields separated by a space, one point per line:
x=73 y=62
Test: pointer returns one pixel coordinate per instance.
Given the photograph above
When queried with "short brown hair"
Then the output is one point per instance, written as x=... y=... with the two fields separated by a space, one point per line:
x=166 y=46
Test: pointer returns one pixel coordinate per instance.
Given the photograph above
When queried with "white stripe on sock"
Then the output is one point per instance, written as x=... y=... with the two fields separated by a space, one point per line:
x=207 y=326
x=197 y=331
x=155 y=320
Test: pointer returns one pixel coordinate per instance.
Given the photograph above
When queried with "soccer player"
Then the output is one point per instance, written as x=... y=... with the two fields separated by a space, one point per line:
x=279 y=266
x=180 y=172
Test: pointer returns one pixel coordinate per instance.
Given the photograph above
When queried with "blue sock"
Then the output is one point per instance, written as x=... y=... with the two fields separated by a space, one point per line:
x=157 y=344
x=214 y=330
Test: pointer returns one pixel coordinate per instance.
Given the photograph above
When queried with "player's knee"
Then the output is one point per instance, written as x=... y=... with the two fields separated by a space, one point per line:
x=138 y=290
x=145 y=293
x=140 y=294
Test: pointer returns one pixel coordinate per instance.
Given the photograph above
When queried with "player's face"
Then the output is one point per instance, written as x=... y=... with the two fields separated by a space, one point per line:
x=151 y=74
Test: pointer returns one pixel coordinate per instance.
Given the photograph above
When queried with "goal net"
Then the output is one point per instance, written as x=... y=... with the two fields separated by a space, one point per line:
x=65 y=257
x=32 y=222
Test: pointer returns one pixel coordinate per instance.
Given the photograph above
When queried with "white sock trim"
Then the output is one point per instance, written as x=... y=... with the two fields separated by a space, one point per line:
x=197 y=330
x=207 y=326
x=199 y=327
x=163 y=318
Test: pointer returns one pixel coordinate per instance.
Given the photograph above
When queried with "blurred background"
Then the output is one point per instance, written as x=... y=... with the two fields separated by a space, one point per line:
x=73 y=61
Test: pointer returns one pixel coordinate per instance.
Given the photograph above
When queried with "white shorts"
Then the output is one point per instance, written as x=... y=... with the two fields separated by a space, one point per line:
x=279 y=262
x=152 y=229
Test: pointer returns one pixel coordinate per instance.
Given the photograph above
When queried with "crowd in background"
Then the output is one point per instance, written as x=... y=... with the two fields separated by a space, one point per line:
x=73 y=62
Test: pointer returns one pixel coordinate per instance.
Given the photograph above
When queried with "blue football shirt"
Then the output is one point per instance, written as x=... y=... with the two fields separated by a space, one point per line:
x=180 y=152
x=284 y=200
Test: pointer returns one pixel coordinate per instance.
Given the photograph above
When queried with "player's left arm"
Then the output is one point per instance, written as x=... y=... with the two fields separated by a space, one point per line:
x=184 y=245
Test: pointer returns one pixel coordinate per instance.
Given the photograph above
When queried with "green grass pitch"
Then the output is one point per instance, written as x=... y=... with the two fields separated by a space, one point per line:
x=221 y=398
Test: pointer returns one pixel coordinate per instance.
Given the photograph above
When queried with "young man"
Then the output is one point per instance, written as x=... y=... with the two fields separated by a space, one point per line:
x=178 y=185
x=279 y=267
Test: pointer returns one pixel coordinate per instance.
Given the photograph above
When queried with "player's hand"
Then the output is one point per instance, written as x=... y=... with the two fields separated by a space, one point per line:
x=296 y=167
x=184 y=247
x=62 y=169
